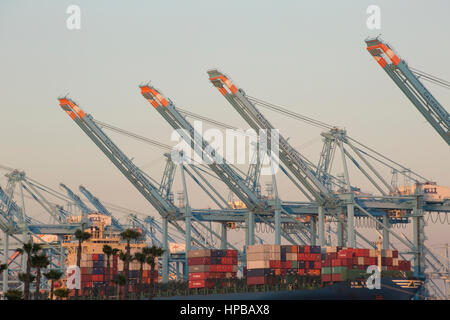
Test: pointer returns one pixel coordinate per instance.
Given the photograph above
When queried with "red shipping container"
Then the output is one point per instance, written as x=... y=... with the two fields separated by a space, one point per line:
x=201 y=284
x=317 y=265
x=283 y=272
x=345 y=254
x=307 y=249
x=230 y=253
x=94 y=257
x=199 y=275
x=355 y=260
x=366 y=261
x=220 y=268
x=372 y=261
x=294 y=249
x=199 y=261
x=386 y=262
x=300 y=256
x=326 y=278
x=255 y=280
x=288 y=264
x=326 y=263
x=331 y=255
x=394 y=254
x=336 y=263
x=301 y=272
x=274 y=264
x=336 y=277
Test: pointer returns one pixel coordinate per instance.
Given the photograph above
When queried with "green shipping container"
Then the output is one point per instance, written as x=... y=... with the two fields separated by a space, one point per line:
x=326 y=270
x=294 y=264
x=355 y=273
x=339 y=269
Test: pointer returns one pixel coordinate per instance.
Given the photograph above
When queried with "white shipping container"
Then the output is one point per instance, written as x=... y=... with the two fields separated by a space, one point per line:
x=290 y=256
x=361 y=261
x=199 y=253
x=258 y=256
x=255 y=249
x=258 y=264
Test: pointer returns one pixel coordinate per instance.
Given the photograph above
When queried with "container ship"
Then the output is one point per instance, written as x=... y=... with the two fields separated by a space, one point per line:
x=294 y=272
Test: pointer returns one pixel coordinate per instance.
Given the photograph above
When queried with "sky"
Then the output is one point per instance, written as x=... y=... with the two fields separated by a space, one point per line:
x=307 y=56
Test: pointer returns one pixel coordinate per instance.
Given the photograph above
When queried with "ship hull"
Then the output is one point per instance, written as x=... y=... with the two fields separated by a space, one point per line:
x=391 y=289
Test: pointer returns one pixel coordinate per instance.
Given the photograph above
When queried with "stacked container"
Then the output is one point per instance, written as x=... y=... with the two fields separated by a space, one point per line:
x=281 y=260
x=342 y=264
x=93 y=269
x=211 y=267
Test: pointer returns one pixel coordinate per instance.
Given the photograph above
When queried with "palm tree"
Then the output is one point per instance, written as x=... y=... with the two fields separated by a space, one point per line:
x=140 y=257
x=128 y=235
x=107 y=250
x=126 y=258
x=53 y=275
x=29 y=248
x=26 y=278
x=119 y=281
x=61 y=293
x=81 y=236
x=152 y=253
x=13 y=294
x=39 y=261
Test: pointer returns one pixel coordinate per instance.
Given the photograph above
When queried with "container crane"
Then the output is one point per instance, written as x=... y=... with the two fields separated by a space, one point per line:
x=287 y=154
x=101 y=208
x=237 y=184
x=214 y=160
x=412 y=87
x=77 y=200
x=151 y=193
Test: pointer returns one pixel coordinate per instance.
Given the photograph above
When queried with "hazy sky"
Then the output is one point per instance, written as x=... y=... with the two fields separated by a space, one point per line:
x=308 y=56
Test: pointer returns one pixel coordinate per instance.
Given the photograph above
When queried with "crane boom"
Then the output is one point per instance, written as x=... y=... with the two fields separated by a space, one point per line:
x=288 y=155
x=101 y=208
x=75 y=198
x=412 y=87
x=214 y=160
x=150 y=192
x=118 y=158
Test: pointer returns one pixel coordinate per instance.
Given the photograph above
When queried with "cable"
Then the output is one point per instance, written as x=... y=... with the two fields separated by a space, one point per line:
x=439 y=81
x=134 y=135
x=194 y=115
x=292 y=114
